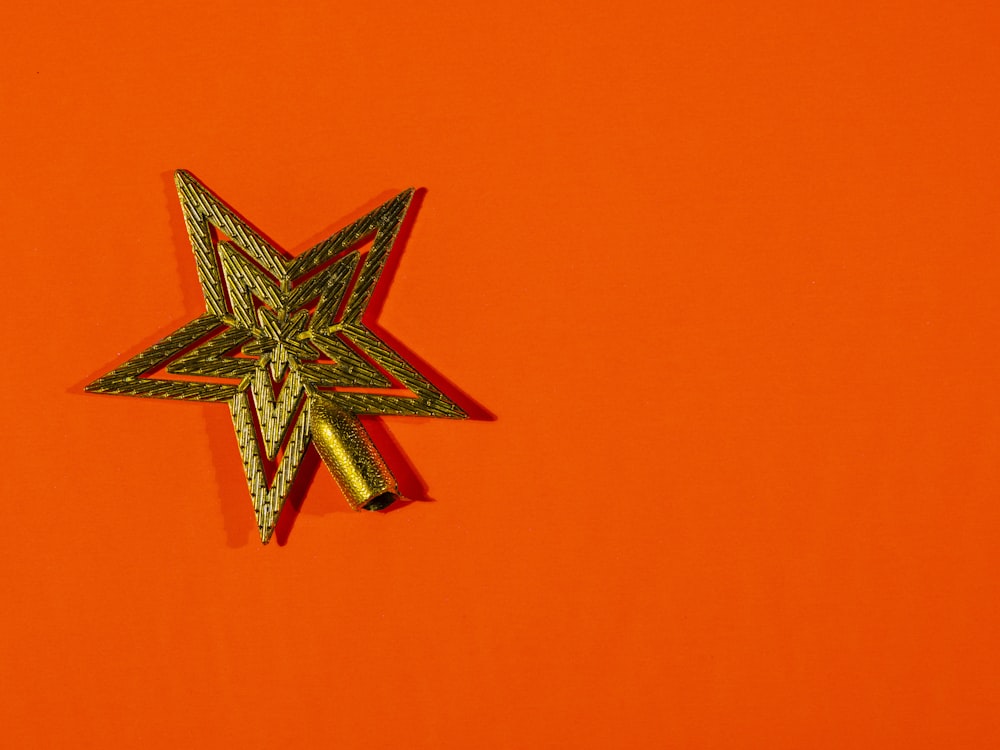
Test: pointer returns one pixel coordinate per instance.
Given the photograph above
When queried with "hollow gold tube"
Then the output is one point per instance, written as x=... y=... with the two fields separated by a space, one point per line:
x=351 y=456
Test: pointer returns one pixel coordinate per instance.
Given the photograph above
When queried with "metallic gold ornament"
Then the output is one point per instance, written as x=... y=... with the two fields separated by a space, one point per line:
x=282 y=341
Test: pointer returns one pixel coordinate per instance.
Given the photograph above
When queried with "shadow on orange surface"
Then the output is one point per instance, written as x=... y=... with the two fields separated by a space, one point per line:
x=472 y=408
x=412 y=487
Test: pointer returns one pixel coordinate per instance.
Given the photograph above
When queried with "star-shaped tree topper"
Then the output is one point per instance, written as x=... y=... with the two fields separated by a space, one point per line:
x=283 y=342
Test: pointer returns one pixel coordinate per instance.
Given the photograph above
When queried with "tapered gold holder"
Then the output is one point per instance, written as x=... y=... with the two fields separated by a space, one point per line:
x=351 y=456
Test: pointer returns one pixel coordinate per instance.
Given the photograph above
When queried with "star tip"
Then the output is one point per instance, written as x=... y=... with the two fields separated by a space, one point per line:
x=98 y=386
x=265 y=535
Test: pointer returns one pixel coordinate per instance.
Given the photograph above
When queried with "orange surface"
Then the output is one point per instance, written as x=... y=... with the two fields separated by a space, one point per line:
x=726 y=276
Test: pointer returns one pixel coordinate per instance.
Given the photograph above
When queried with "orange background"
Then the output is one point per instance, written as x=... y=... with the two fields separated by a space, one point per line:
x=726 y=276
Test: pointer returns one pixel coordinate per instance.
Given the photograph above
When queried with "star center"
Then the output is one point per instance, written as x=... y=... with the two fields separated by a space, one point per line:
x=281 y=341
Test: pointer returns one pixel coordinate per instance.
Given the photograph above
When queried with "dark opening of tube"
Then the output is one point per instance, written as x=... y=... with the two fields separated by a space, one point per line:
x=381 y=502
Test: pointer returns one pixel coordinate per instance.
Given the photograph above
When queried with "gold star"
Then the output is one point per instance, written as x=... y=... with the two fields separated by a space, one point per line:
x=281 y=337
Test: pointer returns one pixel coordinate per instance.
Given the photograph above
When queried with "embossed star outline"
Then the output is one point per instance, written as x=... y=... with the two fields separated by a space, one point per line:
x=277 y=332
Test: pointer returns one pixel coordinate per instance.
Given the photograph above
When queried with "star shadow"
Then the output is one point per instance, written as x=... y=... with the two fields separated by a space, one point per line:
x=466 y=403
x=412 y=487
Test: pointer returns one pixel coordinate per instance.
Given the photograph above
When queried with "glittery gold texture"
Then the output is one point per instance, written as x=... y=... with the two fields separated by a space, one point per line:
x=280 y=335
x=349 y=453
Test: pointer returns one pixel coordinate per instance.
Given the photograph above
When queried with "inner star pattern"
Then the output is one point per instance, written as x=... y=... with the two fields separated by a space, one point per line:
x=276 y=333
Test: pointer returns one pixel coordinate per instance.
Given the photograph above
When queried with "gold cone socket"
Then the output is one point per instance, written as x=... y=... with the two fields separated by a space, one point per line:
x=351 y=456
